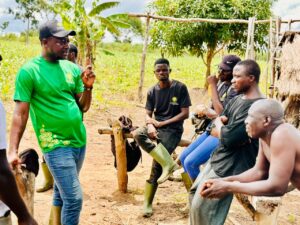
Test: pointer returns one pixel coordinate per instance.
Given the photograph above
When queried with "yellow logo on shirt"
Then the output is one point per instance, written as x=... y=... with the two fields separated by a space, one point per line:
x=69 y=78
x=174 y=101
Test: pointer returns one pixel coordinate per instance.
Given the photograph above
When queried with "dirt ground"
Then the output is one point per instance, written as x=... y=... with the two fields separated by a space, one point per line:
x=105 y=205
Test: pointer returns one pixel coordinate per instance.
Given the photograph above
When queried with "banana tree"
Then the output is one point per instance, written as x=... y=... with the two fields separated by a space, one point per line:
x=90 y=26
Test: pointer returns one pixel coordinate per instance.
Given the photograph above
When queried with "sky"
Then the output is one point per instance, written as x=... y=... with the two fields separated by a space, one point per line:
x=287 y=9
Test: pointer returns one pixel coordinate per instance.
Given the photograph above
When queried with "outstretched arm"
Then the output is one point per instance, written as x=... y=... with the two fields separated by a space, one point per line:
x=258 y=172
x=274 y=185
x=13 y=200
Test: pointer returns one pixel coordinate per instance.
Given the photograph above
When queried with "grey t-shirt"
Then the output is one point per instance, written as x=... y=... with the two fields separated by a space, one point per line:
x=166 y=103
x=236 y=152
x=3 y=144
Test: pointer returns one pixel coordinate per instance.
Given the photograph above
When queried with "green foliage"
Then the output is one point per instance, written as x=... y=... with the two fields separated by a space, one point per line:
x=117 y=75
x=206 y=39
x=90 y=26
x=4 y=25
x=26 y=11
x=197 y=38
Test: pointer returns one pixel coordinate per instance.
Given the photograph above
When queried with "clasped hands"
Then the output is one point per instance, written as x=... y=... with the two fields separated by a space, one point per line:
x=214 y=188
x=202 y=111
x=152 y=124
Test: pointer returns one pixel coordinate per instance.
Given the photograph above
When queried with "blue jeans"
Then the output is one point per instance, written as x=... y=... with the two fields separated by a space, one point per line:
x=64 y=164
x=198 y=153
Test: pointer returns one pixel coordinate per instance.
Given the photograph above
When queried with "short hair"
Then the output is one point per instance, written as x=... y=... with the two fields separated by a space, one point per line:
x=162 y=61
x=252 y=68
x=73 y=48
x=269 y=107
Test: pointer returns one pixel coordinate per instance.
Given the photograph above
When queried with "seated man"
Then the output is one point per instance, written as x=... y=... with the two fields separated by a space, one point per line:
x=199 y=151
x=9 y=193
x=169 y=101
x=236 y=152
x=278 y=161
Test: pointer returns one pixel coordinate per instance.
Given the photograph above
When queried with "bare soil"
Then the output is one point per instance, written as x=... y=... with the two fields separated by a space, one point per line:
x=105 y=205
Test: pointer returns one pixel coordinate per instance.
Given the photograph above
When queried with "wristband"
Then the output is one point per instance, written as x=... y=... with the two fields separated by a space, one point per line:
x=88 y=88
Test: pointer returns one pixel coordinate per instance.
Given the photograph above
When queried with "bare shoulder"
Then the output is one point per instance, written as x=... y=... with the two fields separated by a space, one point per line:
x=286 y=132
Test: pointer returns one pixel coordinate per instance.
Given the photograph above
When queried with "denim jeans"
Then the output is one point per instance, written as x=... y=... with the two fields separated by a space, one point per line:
x=198 y=153
x=64 y=164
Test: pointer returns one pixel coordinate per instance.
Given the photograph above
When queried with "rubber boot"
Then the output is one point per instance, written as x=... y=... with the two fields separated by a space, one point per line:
x=186 y=181
x=150 y=190
x=55 y=215
x=48 y=179
x=187 y=184
x=162 y=156
x=5 y=220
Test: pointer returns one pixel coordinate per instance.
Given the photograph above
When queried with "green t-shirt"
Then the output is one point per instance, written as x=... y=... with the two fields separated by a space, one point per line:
x=50 y=88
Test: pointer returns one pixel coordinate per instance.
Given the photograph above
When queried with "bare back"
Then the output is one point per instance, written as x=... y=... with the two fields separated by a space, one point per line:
x=285 y=140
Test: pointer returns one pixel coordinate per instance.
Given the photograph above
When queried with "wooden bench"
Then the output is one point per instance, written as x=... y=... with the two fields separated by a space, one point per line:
x=120 y=143
x=263 y=210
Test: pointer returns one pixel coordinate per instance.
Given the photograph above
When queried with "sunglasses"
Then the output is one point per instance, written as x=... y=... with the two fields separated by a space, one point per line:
x=61 y=41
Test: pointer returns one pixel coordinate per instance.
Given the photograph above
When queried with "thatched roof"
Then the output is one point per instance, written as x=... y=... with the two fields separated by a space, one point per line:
x=288 y=83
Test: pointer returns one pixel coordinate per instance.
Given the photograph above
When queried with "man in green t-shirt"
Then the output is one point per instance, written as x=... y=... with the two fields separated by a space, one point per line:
x=55 y=92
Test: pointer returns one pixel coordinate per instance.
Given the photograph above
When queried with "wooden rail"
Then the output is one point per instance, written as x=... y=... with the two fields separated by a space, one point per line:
x=120 y=143
x=263 y=210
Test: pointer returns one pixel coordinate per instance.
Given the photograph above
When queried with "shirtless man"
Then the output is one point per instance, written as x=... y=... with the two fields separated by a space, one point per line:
x=278 y=161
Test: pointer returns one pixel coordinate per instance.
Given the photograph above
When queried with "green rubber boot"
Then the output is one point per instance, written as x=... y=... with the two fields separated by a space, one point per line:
x=162 y=156
x=186 y=181
x=48 y=179
x=5 y=220
x=150 y=190
x=55 y=215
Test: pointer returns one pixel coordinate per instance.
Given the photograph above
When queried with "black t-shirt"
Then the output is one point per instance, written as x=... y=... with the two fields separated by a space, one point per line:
x=236 y=152
x=166 y=103
x=226 y=93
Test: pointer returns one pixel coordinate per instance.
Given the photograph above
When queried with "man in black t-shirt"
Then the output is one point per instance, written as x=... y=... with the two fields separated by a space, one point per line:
x=169 y=101
x=236 y=151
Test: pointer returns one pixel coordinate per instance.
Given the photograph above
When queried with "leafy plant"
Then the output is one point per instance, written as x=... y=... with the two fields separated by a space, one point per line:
x=205 y=40
x=90 y=26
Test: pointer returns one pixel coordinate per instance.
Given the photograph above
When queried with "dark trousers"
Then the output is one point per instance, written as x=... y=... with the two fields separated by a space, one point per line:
x=168 y=137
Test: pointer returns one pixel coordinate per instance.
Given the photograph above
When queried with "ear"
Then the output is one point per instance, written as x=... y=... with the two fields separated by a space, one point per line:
x=267 y=121
x=252 y=78
x=44 y=41
x=170 y=70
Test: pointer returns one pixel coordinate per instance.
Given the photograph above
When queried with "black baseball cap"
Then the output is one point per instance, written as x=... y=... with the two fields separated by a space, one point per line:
x=51 y=29
x=229 y=61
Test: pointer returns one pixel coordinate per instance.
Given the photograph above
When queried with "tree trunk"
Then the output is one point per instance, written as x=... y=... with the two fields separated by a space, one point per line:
x=89 y=53
x=27 y=32
x=80 y=52
x=209 y=57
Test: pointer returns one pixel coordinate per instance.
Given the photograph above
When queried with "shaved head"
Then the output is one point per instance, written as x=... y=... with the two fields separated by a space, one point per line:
x=268 y=108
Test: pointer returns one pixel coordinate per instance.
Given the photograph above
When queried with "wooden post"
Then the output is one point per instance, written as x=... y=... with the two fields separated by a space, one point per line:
x=271 y=55
x=120 y=156
x=250 y=39
x=142 y=74
x=263 y=210
x=267 y=210
x=26 y=184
